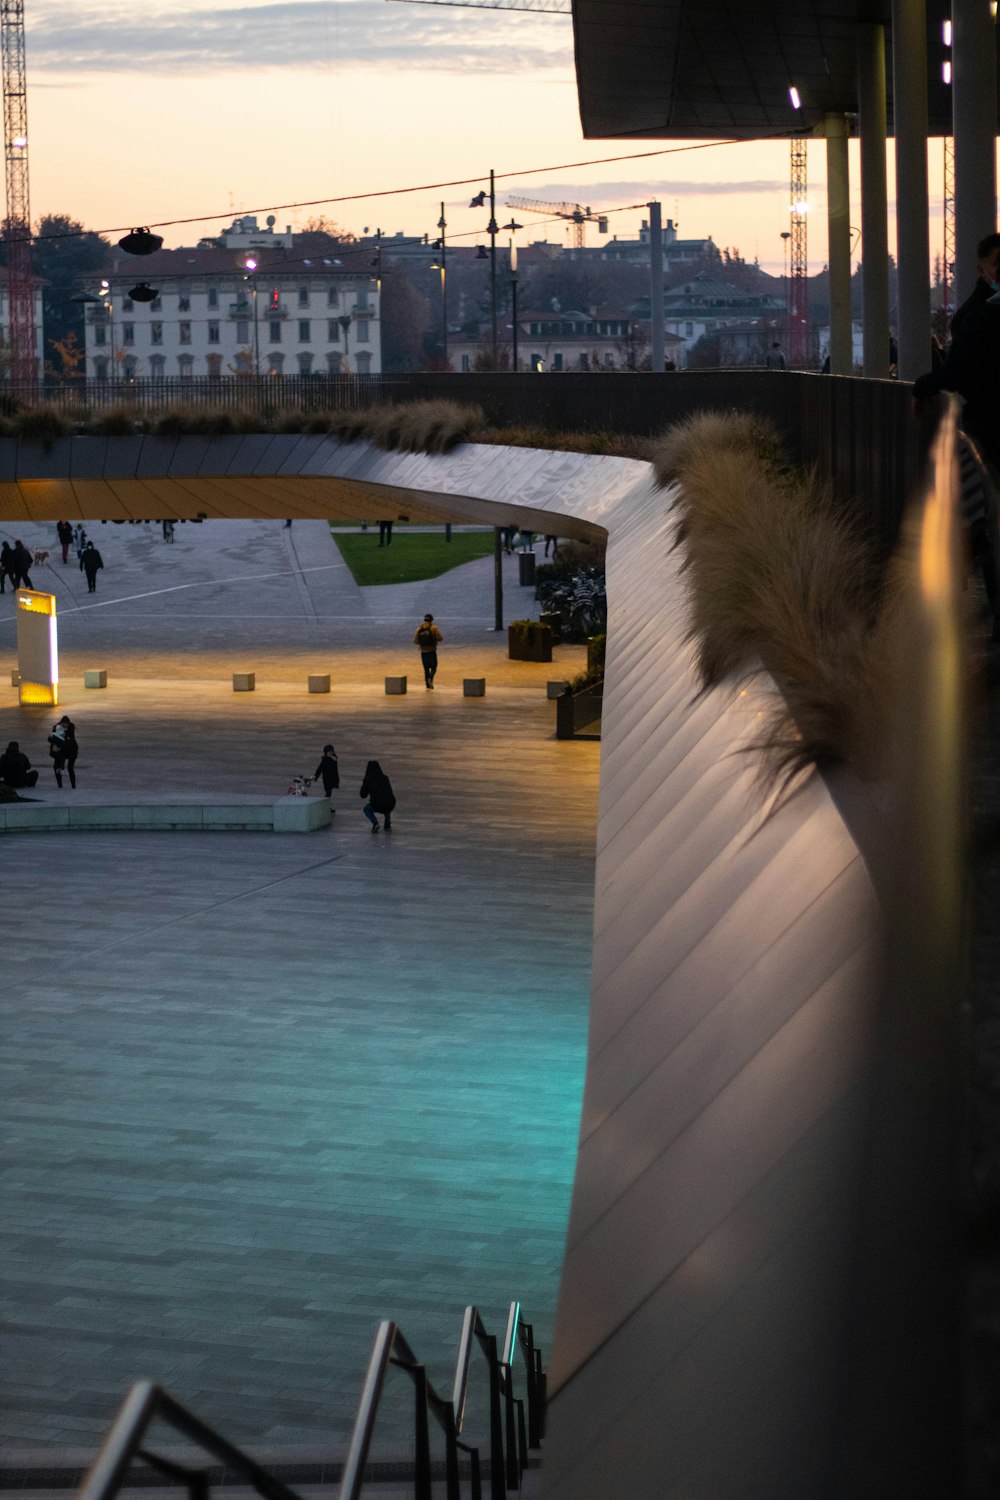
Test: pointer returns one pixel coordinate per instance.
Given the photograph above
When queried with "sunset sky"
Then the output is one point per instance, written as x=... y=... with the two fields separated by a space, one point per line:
x=187 y=110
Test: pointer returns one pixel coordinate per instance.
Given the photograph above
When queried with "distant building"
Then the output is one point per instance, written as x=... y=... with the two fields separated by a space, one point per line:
x=554 y=340
x=677 y=253
x=708 y=305
x=214 y=318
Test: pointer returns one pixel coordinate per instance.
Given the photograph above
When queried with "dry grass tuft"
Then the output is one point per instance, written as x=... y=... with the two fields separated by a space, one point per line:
x=413 y=427
x=779 y=578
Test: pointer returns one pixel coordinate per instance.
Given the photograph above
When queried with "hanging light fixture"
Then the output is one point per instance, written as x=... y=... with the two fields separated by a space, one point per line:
x=141 y=242
x=143 y=292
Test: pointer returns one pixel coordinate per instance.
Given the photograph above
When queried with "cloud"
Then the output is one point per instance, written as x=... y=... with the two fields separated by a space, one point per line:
x=85 y=37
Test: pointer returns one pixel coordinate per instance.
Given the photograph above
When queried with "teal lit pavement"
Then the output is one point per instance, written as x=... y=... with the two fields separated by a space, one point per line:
x=259 y=1092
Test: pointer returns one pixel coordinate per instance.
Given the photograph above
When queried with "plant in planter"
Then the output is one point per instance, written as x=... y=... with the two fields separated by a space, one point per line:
x=528 y=640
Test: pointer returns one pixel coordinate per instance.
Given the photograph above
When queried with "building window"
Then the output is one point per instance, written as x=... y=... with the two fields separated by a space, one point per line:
x=185 y=365
x=361 y=331
x=364 y=363
x=127 y=304
x=156 y=304
x=275 y=334
x=333 y=363
x=215 y=367
x=183 y=302
x=213 y=296
x=184 y=330
x=304 y=334
x=276 y=364
x=101 y=369
x=332 y=296
x=100 y=334
x=689 y=329
x=557 y=360
x=305 y=364
x=213 y=333
x=332 y=331
x=157 y=364
x=361 y=303
x=466 y=364
x=242 y=331
x=128 y=333
x=303 y=296
x=583 y=362
x=156 y=333
x=609 y=360
x=129 y=366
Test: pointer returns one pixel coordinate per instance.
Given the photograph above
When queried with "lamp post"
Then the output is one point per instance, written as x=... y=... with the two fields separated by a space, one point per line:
x=491 y=229
x=441 y=246
x=786 y=235
x=513 y=291
x=250 y=266
x=108 y=301
x=345 y=322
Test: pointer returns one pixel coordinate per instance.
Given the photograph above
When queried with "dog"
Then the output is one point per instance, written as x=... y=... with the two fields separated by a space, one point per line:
x=41 y=556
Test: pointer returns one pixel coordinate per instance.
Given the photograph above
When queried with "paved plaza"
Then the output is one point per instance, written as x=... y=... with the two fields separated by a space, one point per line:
x=259 y=1091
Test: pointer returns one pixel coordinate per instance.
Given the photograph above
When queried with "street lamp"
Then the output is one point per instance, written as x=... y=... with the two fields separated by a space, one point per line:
x=441 y=246
x=345 y=322
x=513 y=291
x=491 y=229
x=250 y=266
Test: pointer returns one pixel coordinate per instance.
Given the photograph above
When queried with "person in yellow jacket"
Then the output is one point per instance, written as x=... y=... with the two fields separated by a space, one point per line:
x=427 y=638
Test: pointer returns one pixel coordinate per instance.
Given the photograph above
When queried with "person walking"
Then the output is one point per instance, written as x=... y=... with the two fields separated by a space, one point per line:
x=428 y=637
x=168 y=530
x=328 y=770
x=64 y=749
x=64 y=532
x=91 y=563
x=385 y=533
x=377 y=789
x=79 y=540
x=15 y=767
x=553 y=542
x=775 y=359
x=22 y=562
x=6 y=567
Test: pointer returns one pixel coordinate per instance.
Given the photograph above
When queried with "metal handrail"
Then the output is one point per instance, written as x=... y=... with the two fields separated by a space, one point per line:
x=508 y=1451
x=146 y=1403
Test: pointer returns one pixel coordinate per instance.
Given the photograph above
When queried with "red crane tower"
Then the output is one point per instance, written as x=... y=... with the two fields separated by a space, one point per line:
x=21 y=285
x=798 y=284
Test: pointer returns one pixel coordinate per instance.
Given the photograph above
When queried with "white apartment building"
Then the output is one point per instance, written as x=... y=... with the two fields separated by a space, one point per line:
x=253 y=304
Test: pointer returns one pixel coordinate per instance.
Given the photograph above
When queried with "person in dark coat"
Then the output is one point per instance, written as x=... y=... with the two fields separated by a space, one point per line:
x=91 y=562
x=15 y=767
x=385 y=533
x=329 y=770
x=22 y=562
x=972 y=364
x=64 y=532
x=64 y=749
x=377 y=789
x=7 y=566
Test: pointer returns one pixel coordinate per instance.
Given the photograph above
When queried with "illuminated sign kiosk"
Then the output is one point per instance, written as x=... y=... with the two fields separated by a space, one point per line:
x=37 y=649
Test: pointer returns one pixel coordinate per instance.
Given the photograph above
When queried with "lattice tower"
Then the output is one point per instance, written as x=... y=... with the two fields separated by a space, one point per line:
x=15 y=130
x=948 y=257
x=798 y=281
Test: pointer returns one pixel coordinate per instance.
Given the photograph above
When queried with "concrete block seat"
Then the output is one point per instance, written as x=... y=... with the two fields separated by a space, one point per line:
x=474 y=687
x=98 y=812
x=96 y=677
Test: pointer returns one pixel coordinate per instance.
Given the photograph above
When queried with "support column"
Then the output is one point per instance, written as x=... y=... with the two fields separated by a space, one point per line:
x=909 y=112
x=974 y=111
x=838 y=215
x=497 y=578
x=656 y=287
x=874 y=196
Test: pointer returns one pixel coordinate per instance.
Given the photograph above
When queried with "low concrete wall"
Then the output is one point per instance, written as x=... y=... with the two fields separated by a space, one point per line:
x=305 y=816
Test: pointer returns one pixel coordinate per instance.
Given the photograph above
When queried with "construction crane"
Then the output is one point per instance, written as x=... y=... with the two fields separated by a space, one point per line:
x=577 y=215
x=798 y=285
x=561 y=7
x=20 y=283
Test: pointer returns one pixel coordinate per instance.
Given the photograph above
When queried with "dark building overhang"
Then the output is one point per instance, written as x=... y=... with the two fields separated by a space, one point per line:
x=702 y=69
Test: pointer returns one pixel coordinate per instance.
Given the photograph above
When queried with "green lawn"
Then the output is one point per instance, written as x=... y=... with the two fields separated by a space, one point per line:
x=412 y=556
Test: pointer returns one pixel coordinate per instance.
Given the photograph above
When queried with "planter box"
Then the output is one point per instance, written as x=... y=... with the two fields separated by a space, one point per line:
x=533 y=645
x=578 y=715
